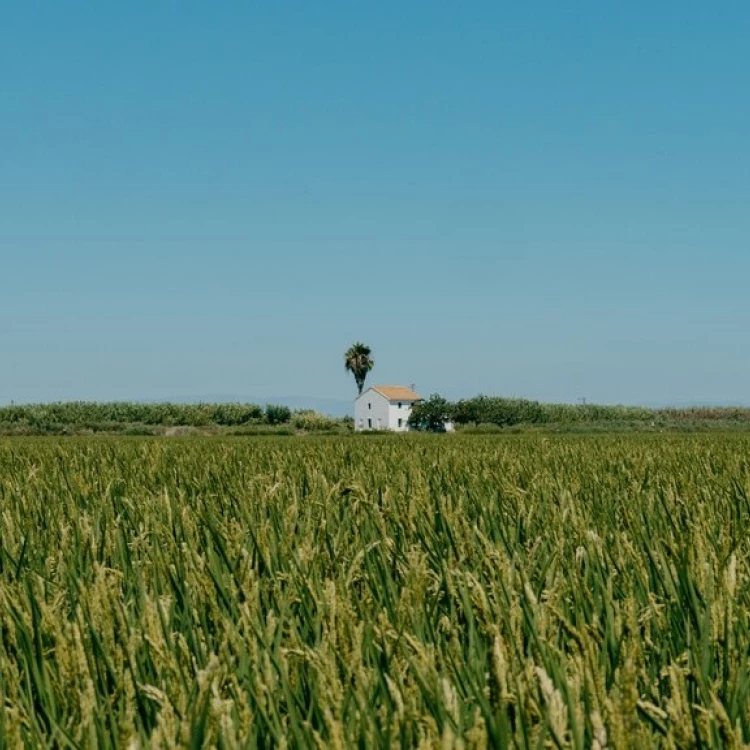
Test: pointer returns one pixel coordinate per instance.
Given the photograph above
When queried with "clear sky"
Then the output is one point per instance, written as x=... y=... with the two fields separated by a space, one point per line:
x=542 y=199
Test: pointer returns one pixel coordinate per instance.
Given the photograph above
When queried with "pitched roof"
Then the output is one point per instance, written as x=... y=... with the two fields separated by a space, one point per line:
x=397 y=393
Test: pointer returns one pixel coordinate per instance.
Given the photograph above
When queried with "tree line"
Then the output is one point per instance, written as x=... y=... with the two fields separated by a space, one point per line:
x=81 y=413
x=433 y=413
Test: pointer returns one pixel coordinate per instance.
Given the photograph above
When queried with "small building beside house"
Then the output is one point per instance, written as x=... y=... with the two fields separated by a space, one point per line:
x=384 y=407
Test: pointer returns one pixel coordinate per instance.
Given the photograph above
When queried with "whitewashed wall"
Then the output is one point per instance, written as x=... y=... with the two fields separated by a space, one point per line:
x=394 y=414
x=371 y=405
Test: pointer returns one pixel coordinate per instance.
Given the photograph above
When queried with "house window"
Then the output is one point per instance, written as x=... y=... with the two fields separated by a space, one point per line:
x=400 y=422
x=369 y=423
x=369 y=406
x=399 y=404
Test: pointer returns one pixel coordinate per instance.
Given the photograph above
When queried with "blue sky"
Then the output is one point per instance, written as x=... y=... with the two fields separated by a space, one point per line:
x=537 y=199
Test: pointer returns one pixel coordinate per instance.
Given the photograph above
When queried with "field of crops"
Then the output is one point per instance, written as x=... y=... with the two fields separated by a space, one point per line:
x=446 y=591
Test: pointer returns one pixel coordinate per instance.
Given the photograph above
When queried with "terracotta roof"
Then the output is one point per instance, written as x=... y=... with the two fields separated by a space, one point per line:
x=397 y=393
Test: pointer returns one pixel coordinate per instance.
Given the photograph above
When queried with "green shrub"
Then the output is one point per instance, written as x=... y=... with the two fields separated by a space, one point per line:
x=311 y=421
x=431 y=414
x=278 y=414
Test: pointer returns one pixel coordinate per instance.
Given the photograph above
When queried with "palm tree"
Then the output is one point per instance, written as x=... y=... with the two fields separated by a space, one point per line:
x=358 y=362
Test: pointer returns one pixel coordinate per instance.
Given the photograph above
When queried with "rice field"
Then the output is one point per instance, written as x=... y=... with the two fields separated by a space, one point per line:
x=418 y=591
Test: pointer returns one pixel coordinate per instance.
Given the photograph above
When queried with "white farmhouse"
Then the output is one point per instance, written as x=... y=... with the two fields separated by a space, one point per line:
x=384 y=407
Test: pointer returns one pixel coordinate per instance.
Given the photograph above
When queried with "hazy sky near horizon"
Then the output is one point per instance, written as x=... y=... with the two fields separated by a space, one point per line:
x=539 y=199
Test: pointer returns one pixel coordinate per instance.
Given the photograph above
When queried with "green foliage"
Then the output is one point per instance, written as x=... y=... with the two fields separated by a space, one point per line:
x=507 y=412
x=161 y=418
x=84 y=414
x=134 y=418
x=231 y=415
x=347 y=423
x=431 y=414
x=484 y=591
x=498 y=411
x=358 y=361
x=311 y=421
x=278 y=414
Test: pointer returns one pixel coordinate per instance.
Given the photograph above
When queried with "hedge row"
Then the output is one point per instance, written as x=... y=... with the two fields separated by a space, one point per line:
x=82 y=413
x=506 y=412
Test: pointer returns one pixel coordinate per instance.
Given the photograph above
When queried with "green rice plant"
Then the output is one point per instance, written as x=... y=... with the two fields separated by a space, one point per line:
x=486 y=590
